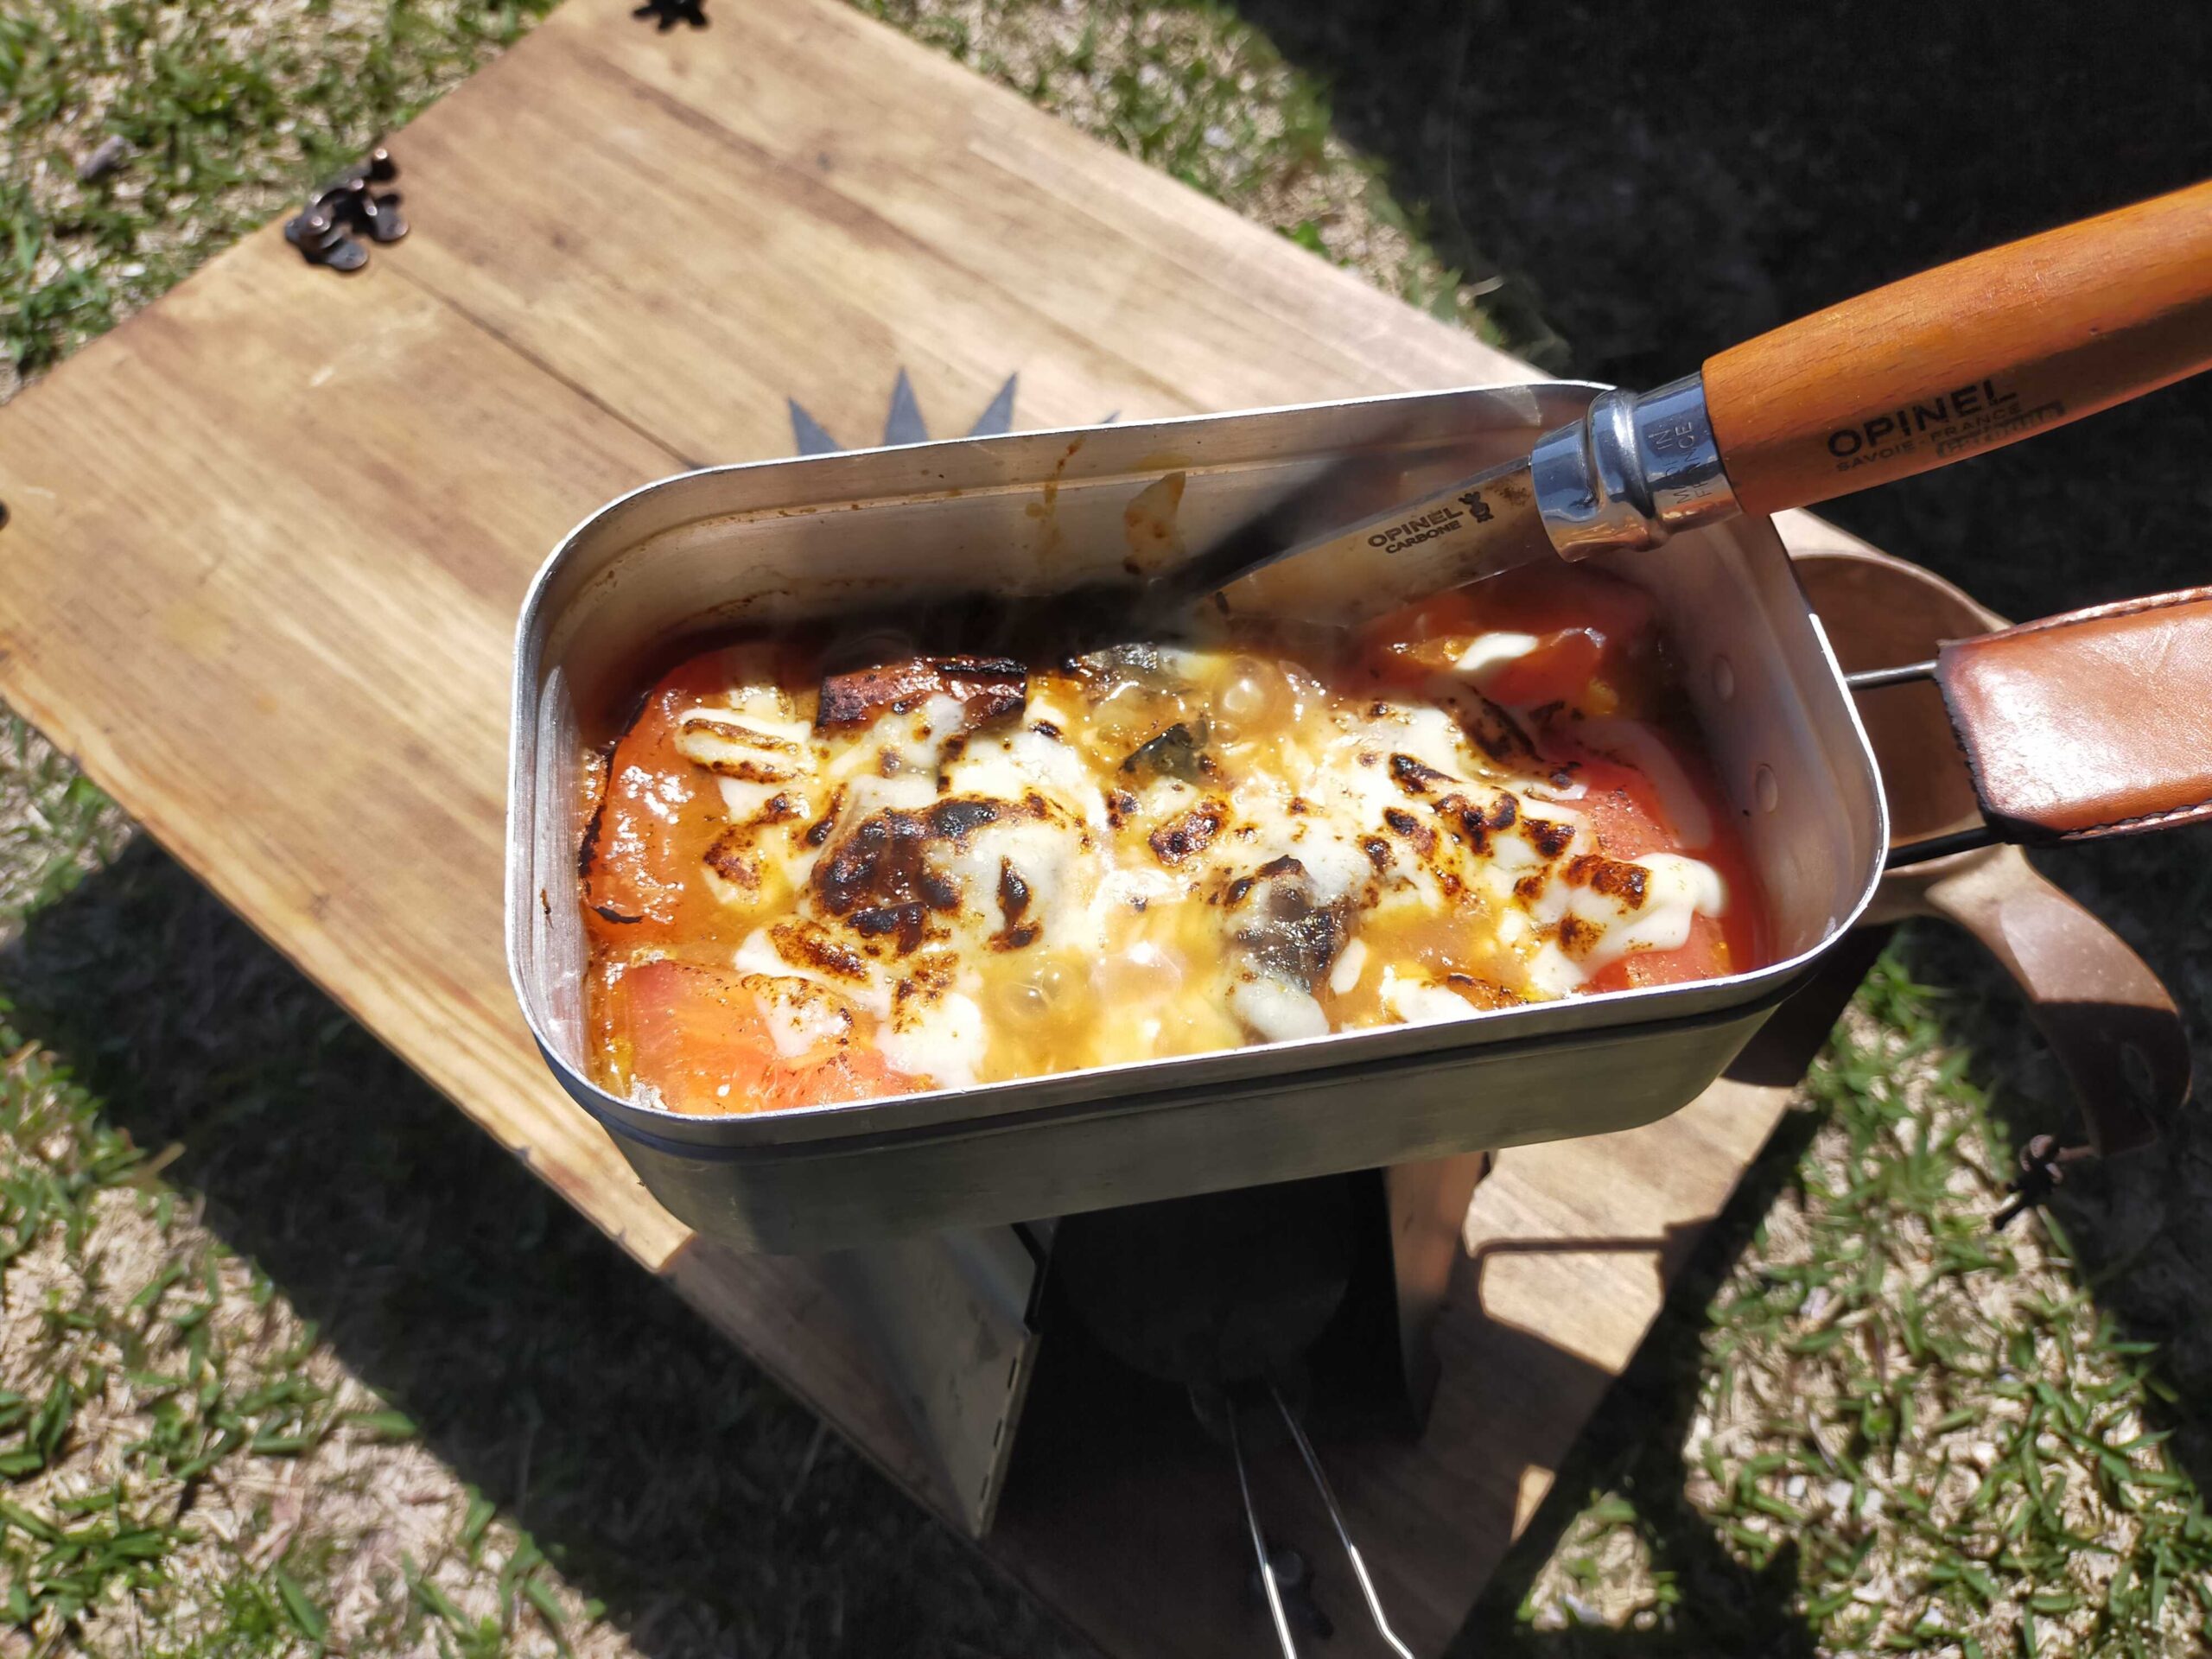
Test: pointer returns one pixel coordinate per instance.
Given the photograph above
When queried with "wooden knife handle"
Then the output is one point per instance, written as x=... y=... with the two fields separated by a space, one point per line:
x=1968 y=357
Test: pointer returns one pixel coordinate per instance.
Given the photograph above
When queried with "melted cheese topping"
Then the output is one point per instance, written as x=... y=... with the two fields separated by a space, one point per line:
x=1144 y=852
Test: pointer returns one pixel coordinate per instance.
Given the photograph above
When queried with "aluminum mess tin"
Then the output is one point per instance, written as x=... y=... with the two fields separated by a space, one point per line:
x=1036 y=513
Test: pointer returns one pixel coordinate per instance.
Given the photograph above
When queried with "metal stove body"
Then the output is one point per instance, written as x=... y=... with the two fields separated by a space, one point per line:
x=1098 y=1323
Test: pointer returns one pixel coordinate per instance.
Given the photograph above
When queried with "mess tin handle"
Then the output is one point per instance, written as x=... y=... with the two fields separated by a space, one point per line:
x=2111 y=1025
x=2095 y=723
x=2091 y=724
x=1968 y=357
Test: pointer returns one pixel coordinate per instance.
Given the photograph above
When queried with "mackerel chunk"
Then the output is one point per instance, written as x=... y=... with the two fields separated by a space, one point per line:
x=1288 y=934
x=987 y=689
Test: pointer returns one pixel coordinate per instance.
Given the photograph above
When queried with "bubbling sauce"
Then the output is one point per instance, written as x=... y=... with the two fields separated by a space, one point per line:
x=822 y=868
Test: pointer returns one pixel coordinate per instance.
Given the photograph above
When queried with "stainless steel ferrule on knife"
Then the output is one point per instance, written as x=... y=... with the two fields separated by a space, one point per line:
x=1633 y=470
x=1638 y=467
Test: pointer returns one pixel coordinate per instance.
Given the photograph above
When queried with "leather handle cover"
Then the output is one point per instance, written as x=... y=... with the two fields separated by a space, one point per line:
x=2098 y=722
x=1968 y=357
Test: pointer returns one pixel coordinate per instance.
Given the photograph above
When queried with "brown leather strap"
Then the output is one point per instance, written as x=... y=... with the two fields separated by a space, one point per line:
x=2111 y=1025
x=2094 y=723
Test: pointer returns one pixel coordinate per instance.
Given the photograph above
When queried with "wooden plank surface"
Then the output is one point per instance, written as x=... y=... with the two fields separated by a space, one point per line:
x=269 y=540
x=800 y=202
x=260 y=578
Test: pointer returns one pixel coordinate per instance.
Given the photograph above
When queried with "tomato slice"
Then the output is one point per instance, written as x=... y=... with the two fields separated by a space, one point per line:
x=1587 y=628
x=1420 y=640
x=1592 y=632
x=1545 y=598
x=703 y=1038
x=1620 y=804
x=656 y=819
x=1625 y=813
x=1559 y=669
x=1704 y=955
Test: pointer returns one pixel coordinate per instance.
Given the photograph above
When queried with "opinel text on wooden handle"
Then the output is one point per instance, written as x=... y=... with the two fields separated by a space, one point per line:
x=1968 y=357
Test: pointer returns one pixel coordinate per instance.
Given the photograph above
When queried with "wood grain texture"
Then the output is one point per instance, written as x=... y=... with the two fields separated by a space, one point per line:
x=269 y=541
x=803 y=202
x=260 y=578
x=1968 y=357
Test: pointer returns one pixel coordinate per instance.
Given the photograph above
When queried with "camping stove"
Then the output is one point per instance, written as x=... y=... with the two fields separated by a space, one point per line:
x=1266 y=1321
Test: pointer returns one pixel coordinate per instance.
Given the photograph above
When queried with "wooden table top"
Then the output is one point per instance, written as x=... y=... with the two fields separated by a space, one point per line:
x=267 y=540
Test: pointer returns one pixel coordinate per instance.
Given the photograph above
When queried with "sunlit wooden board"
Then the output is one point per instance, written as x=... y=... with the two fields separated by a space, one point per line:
x=266 y=544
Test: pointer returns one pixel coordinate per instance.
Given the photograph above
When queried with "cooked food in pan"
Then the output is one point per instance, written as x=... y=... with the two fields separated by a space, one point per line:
x=823 y=869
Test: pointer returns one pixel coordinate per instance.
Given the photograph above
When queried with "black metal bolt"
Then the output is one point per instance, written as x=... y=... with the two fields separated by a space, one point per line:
x=669 y=13
x=328 y=231
x=2042 y=1170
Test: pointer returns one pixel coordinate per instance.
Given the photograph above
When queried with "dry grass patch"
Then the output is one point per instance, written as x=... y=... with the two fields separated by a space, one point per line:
x=187 y=1470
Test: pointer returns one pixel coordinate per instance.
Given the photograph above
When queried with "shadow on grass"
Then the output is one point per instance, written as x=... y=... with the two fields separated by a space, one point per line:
x=2136 y=1256
x=2142 y=1224
x=662 y=1473
x=1661 y=186
x=1633 y=1445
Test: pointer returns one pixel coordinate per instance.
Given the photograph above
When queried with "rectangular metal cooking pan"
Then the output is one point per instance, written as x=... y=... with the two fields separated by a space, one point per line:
x=1039 y=512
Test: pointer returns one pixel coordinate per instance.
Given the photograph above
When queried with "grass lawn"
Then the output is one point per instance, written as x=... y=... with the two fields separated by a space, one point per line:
x=293 y=1360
